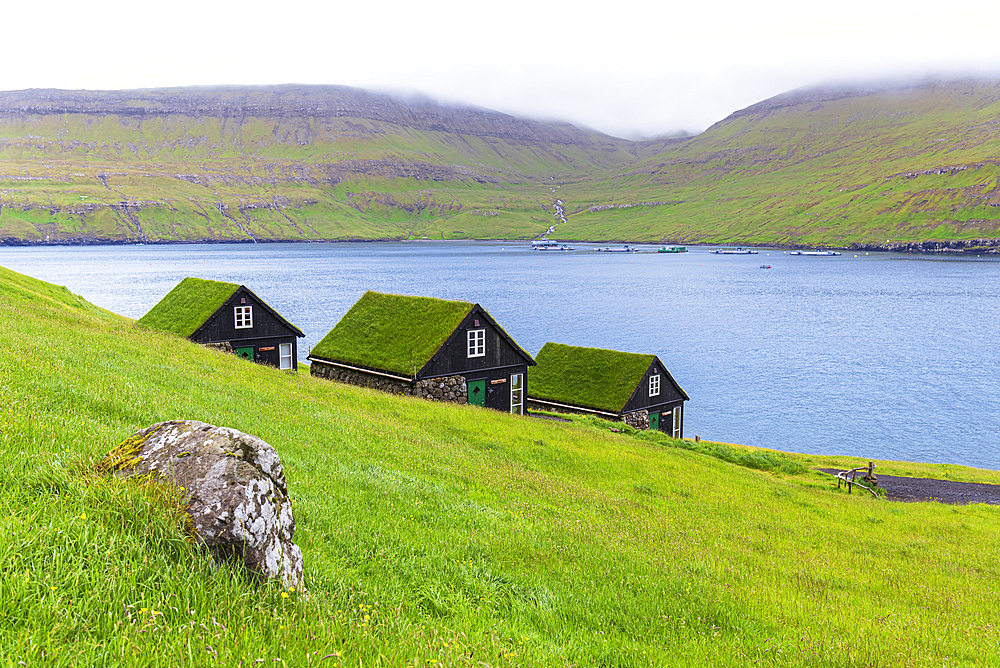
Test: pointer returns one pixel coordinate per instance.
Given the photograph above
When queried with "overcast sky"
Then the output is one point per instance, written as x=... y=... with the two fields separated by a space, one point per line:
x=630 y=68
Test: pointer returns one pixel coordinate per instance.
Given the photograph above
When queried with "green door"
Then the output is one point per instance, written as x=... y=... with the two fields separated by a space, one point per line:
x=477 y=392
x=654 y=420
x=244 y=353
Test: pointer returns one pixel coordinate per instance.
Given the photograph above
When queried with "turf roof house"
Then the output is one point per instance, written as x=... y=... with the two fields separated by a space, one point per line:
x=431 y=348
x=228 y=316
x=634 y=388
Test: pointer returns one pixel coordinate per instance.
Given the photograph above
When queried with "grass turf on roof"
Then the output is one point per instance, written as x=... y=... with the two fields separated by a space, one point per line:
x=591 y=377
x=393 y=333
x=188 y=305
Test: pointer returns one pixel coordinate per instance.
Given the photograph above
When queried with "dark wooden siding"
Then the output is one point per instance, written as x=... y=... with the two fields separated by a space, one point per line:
x=667 y=418
x=669 y=394
x=498 y=386
x=221 y=325
x=666 y=412
x=453 y=357
x=268 y=331
x=268 y=351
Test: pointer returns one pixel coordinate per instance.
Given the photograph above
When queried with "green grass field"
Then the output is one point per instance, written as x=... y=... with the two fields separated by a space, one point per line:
x=442 y=535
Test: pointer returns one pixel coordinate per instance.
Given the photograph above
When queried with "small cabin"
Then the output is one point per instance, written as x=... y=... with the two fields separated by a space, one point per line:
x=636 y=389
x=227 y=316
x=430 y=348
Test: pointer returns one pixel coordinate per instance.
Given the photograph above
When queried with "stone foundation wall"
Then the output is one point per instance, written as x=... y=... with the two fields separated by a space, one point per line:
x=448 y=388
x=637 y=420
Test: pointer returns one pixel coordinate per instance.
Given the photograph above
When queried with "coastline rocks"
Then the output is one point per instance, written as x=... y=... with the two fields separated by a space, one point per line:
x=981 y=246
x=237 y=495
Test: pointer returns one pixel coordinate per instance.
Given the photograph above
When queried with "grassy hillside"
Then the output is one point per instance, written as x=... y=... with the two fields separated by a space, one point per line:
x=448 y=535
x=876 y=166
x=287 y=162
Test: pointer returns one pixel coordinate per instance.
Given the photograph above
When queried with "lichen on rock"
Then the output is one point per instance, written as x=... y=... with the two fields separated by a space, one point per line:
x=237 y=495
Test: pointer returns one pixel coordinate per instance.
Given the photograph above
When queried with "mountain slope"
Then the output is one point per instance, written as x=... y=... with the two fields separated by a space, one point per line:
x=286 y=162
x=874 y=167
x=865 y=166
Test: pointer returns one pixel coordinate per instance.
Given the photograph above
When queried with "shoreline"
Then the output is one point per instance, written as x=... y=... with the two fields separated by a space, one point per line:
x=956 y=247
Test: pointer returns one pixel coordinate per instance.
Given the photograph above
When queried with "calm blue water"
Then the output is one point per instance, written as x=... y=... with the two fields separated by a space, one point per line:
x=881 y=355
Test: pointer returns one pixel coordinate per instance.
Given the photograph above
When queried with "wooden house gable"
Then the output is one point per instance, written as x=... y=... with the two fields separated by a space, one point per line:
x=667 y=391
x=244 y=316
x=477 y=344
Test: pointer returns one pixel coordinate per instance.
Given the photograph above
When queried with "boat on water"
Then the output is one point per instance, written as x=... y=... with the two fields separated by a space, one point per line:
x=549 y=245
x=673 y=249
x=815 y=253
x=734 y=251
x=623 y=249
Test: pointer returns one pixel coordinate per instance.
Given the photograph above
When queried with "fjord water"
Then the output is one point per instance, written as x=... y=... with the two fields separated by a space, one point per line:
x=875 y=355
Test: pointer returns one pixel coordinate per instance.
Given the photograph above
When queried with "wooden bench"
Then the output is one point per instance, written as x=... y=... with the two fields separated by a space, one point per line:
x=850 y=478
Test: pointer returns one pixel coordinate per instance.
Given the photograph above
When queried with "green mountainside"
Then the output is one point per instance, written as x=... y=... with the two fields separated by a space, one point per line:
x=875 y=167
x=871 y=166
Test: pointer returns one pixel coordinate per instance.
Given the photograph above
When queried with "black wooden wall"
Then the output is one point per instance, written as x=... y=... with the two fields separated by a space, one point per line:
x=267 y=333
x=453 y=357
x=670 y=394
x=502 y=359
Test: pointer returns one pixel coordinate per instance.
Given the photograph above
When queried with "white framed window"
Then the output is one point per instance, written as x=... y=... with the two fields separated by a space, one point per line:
x=244 y=317
x=477 y=343
x=517 y=393
x=678 y=426
x=285 y=356
x=654 y=385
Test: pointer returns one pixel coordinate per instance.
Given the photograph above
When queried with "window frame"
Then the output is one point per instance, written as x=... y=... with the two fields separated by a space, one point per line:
x=475 y=341
x=677 y=428
x=654 y=385
x=243 y=316
x=282 y=356
x=518 y=387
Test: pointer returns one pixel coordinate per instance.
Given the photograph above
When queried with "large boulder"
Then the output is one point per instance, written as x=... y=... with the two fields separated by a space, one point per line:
x=238 y=498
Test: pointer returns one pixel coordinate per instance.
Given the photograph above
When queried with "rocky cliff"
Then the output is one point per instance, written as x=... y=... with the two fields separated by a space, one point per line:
x=293 y=101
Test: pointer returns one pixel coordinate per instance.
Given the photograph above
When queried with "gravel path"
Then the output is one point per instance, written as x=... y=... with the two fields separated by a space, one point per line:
x=898 y=488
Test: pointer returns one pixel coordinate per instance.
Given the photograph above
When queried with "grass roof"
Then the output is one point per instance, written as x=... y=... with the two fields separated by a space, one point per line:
x=591 y=377
x=393 y=333
x=188 y=305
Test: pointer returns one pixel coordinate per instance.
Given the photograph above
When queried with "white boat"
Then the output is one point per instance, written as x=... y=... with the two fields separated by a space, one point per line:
x=815 y=253
x=623 y=249
x=734 y=251
x=549 y=245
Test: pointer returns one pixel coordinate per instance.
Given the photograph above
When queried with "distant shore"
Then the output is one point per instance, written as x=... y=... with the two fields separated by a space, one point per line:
x=951 y=247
